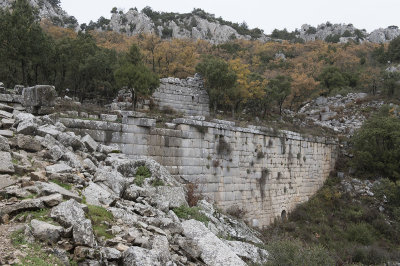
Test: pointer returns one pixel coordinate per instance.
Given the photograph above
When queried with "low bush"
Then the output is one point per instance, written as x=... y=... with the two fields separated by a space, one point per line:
x=377 y=146
x=293 y=252
x=362 y=233
x=188 y=213
x=142 y=172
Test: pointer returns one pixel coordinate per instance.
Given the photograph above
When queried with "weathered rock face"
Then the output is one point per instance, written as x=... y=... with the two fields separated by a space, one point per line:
x=190 y=26
x=347 y=32
x=47 y=10
x=39 y=99
x=323 y=111
x=46 y=232
x=212 y=250
x=384 y=35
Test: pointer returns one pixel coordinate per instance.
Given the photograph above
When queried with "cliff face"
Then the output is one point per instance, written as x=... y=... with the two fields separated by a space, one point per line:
x=173 y=25
x=345 y=32
x=48 y=10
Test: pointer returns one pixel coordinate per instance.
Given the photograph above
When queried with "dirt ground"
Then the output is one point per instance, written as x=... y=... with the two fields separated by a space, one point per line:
x=8 y=253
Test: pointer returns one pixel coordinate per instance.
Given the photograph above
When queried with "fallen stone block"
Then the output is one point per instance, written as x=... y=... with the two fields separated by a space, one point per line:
x=48 y=129
x=82 y=233
x=6 y=165
x=52 y=188
x=59 y=168
x=6 y=181
x=140 y=256
x=46 y=232
x=52 y=200
x=28 y=143
x=6 y=108
x=248 y=252
x=213 y=250
x=90 y=143
x=68 y=213
x=38 y=97
x=7 y=123
x=5 y=114
x=4 y=145
x=96 y=195
x=24 y=205
x=7 y=133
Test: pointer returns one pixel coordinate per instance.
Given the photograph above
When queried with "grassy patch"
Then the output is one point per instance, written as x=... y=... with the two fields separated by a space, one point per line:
x=61 y=184
x=141 y=174
x=187 y=213
x=99 y=215
x=35 y=254
x=41 y=215
x=32 y=196
x=18 y=238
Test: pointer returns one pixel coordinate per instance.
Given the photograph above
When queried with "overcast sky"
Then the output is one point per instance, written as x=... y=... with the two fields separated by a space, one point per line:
x=264 y=14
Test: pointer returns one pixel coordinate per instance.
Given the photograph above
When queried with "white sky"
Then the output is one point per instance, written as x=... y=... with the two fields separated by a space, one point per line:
x=266 y=15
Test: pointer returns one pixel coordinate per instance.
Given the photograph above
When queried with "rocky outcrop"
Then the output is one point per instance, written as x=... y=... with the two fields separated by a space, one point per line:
x=384 y=35
x=342 y=114
x=344 y=32
x=48 y=10
x=196 y=25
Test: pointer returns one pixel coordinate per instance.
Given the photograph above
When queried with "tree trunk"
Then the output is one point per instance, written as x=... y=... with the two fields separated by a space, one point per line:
x=23 y=72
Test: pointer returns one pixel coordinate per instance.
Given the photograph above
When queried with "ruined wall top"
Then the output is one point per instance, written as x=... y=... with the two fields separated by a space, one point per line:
x=186 y=96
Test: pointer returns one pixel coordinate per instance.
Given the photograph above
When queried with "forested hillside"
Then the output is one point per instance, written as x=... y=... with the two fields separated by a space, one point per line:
x=263 y=77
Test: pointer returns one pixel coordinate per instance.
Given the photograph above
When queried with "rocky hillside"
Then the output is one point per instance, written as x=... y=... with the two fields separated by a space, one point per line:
x=343 y=33
x=195 y=25
x=200 y=25
x=48 y=9
x=65 y=199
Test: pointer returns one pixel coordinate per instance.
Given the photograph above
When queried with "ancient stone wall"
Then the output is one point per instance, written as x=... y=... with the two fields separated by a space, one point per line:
x=185 y=96
x=263 y=172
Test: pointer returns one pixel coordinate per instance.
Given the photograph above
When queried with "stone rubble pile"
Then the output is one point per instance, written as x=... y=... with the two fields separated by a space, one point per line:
x=342 y=114
x=42 y=166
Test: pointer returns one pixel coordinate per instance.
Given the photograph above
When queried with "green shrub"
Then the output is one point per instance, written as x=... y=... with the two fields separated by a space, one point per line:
x=42 y=215
x=188 y=213
x=292 y=252
x=370 y=255
x=143 y=171
x=377 y=146
x=141 y=174
x=157 y=183
x=362 y=233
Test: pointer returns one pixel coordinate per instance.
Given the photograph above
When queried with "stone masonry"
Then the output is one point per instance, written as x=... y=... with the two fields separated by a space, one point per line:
x=263 y=172
x=185 y=96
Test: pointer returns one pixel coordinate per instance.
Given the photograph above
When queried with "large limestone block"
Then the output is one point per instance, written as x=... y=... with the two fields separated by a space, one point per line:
x=39 y=97
x=68 y=213
x=213 y=250
x=6 y=165
x=140 y=256
x=46 y=232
